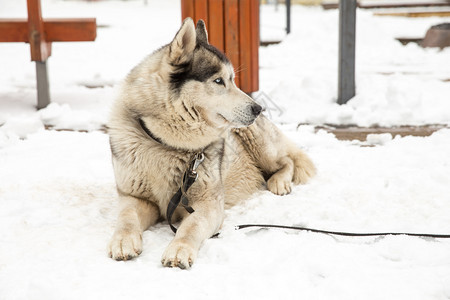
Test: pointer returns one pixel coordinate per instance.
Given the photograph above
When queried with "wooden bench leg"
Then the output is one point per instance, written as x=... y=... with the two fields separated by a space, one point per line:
x=43 y=92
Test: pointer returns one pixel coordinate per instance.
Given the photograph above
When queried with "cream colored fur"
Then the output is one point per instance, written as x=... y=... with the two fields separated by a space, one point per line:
x=241 y=150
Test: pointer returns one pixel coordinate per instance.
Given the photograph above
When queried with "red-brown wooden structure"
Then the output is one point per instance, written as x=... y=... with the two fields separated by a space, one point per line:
x=40 y=34
x=233 y=27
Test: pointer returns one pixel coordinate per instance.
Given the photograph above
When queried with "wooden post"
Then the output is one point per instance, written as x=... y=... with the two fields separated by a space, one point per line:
x=346 y=65
x=40 y=49
x=216 y=25
x=255 y=47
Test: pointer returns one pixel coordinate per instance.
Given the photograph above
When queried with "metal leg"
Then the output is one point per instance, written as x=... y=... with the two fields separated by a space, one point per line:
x=347 y=26
x=288 y=16
x=43 y=93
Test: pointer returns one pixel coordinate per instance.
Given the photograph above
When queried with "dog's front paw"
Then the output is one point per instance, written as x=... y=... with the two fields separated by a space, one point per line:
x=179 y=254
x=279 y=186
x=304 y=168
x=125 y=245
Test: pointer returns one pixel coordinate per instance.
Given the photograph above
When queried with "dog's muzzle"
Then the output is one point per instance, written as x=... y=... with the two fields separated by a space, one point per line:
x=252 y=112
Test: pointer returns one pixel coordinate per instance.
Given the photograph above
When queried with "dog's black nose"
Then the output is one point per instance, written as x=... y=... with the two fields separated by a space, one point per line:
x=256 y=109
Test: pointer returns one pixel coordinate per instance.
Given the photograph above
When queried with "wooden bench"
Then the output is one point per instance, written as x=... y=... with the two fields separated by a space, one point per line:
x=40 y=34
x=233 y=27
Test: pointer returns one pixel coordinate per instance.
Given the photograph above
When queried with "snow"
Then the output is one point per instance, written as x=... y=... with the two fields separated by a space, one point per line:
x=57 y=192
x=396 y=85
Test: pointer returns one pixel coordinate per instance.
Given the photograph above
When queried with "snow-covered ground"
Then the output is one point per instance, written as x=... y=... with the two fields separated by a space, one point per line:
x=57 y=193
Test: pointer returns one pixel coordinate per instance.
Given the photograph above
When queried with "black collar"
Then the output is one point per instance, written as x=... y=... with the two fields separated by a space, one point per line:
x=158 y=140
x=149 y=133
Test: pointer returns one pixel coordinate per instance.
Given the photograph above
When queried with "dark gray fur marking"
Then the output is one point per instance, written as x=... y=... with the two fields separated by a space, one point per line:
x=201 y=67
x=188 y=111
x=221 y=155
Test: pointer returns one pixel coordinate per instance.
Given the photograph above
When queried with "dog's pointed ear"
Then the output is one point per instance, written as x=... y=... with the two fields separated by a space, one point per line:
x=183 y=45
x=202 y=34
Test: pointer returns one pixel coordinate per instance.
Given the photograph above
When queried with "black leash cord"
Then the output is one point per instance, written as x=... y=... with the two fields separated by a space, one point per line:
x=189 y=177
x=179 y=197
x=440 y=236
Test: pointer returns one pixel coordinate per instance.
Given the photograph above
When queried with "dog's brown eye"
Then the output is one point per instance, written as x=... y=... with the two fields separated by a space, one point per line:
x=219 y=81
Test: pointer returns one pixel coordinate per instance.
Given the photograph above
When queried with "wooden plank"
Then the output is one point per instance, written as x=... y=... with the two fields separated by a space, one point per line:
x=406 y=40
x=56 y=30
x=415 y=14
x=201 y=11
x=216 y=26
x=330 y=5
x=70 y=30
x=40 y=49
x=13 y=30
x=232 y=34
x=360 y=133
x=378 y=4
x=245 y=53
x=394 y=4
x=187 y=9
x=254 y=19
x=346 y=63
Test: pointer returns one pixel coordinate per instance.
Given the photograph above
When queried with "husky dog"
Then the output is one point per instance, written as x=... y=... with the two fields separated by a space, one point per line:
x=178 y=103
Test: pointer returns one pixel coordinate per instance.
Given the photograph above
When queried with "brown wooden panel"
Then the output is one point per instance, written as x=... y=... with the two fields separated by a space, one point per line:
x=70 y=30
x=56 y=30
x=216 y=27
x=201 y=11
x=245 y=46
x=13 y=30
x=187 y=9
x=254 y=9
x=233 y=27
x=232 y=34
x=40 y=49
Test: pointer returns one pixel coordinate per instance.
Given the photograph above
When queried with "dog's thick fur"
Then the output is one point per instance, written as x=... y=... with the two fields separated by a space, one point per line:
x=178 y=101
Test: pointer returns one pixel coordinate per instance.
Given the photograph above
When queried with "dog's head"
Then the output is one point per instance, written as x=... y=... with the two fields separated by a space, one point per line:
x=203 y=78
x=185 y=92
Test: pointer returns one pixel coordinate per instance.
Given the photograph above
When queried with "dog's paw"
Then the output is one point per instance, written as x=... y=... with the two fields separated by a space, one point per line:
x=179 y=254
x=279 y=186
x=304 y=168
x=125 y=245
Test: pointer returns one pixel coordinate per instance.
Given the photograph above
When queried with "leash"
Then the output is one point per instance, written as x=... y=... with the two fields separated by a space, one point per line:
x=189 y=177
x=432 y=235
